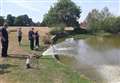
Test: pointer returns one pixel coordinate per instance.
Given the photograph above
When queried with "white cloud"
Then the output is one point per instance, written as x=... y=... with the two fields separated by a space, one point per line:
x=119 y=9
x=26 y=4
x=30 y=4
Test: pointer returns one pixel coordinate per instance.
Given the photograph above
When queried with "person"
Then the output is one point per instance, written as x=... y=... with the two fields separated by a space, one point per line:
x=31 y=38
x=19 y=35
x=36 y=39
x=28 y=62
x=4 y=40
x=47 y=39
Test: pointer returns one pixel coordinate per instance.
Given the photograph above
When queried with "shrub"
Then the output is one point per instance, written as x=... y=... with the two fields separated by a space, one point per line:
x=57 y=29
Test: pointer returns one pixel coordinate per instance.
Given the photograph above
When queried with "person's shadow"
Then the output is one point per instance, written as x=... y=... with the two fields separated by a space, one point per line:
x=4 y=67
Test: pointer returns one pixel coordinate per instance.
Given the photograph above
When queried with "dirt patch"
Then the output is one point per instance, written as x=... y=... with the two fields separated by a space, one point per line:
x=14 y=48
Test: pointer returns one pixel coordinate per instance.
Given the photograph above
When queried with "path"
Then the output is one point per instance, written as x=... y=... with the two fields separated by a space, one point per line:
x=15 y=50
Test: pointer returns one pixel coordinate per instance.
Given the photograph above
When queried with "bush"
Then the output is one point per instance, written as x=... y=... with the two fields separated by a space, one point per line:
x=54 y=31
x=57 y=29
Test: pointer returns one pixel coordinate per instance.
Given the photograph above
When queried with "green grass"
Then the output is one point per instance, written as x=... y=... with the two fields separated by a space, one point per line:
x=102 y=34
x=75 y=36
x=44 y=70
x=84 y=36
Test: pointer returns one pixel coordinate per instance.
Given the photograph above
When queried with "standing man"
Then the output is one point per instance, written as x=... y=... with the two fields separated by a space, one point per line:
x=19 y=35
x=36 y=39
x=31 y=36
x=4 y=40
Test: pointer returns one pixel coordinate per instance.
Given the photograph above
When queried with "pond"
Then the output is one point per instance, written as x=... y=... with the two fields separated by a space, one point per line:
x=98 y=58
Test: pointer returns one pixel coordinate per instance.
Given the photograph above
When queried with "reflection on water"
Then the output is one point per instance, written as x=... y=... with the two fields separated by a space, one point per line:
x=97 y=57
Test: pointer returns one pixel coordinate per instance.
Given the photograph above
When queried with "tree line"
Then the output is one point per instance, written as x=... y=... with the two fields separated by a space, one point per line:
x=66 y=13
x=22 y=20
x=103 y=21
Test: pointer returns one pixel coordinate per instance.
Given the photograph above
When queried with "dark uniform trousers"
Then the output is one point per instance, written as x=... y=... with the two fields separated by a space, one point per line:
x=4 y=48
x=19 y=38
x=32 y=44
x=37 y=42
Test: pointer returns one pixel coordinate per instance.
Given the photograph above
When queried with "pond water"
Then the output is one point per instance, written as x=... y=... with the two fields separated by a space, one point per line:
x=98 y=58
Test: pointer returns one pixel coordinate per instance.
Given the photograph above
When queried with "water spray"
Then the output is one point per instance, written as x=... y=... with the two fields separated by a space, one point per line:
x=53 y=41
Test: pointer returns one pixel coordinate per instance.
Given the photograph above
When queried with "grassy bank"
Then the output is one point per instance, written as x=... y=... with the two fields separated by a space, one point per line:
x=44 y=70
x=84 y=36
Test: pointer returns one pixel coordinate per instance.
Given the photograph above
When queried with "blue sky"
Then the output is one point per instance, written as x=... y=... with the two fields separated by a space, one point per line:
x=37 y=8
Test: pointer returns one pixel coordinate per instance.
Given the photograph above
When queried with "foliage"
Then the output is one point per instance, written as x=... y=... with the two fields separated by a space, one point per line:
x=108 y=24
x=65 y=12
x=23 y=20
x=38 y=24
x=10 y=20
x=102 y=21
x=116 y=24
x=95 y=18
x=58 y=28
x=1 y=20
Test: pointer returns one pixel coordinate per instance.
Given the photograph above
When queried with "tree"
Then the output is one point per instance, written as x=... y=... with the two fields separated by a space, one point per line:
x=93 y=20
x=23 y=20
x=63 y=12
x=1 y=20
x=111 y=24
x=108 y=24
x=116 y=25
x=100 y=20
x=105 y=13
x=18 y=21
x=107 y=19
x=38 y=24
x=10 y=20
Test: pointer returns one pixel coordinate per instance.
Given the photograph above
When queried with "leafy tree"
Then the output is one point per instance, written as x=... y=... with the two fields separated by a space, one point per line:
x=10 y=20
x=19 y=21
x=23 y=20
x=100 y=20
x=108 y=24
x=105 y=13
x=1 y=20
x=93 y=20
x=116 y=25
x=63 y=12
x=38 y=24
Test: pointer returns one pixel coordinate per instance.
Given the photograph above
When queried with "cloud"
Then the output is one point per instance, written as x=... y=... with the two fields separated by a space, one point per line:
x=119 y=9
x=26 y=4
x=96 y=1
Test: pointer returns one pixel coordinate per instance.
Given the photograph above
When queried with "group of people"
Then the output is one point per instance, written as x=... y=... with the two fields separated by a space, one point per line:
x=32 y=36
